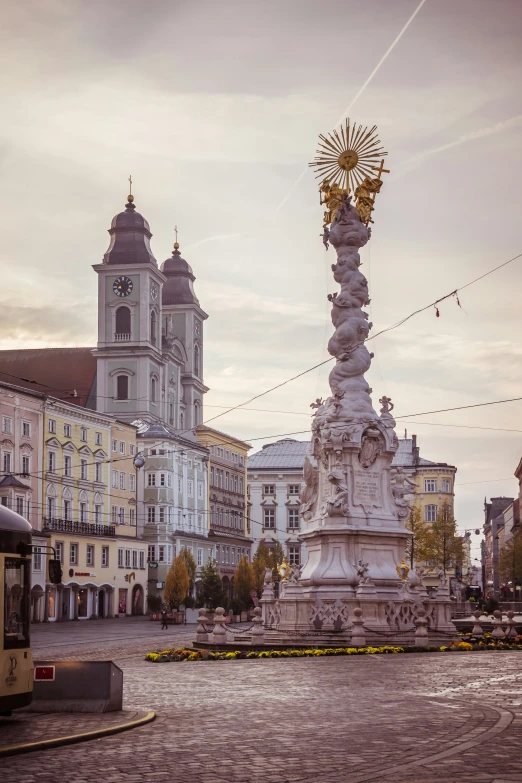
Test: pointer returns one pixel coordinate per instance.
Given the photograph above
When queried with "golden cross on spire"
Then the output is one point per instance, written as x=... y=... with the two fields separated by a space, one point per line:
x=130 y=184
x=176 y=245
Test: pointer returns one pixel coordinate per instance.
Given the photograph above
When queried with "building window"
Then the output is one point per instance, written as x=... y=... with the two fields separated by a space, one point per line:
x=127 y=558
x=269 y=489
x=430 y=485
x=51 y=426
x=105 y=557
x=294 y=489
x=20 y=506
x=26 y=469
x=190 y=487
x=51 y=462
x=293 y=555
x=83 y=434
x=26 y=429
x=162 y=515
x=115 y=445
x=7 y=425
x=90 y=555
x=179 y=484
x=73 y=554
x=122 y=387
x=123 y=323
x=58 y=548
x=98 y=472
x=115 y=479
x=122 y=480
x=114 y=515
x=430 y=513
x=142 y=559
x=151 y=515
x=122 y=447
x=67 y=431
x=67 y=509
x=121 y=516
x=153 y=327
x=161 y=554
x=233 y=556
x=153 y=390
x=37 y=558
x=98 y=438
x=163 y=481
x=293 y=518
x=83 y=469
x=446 y=485
x=269 y=517
x=132 y=482
x=97 y=515
x=134 y=558
x=83 y=512
x=200 y=490
x=120 y=558
x=196 y=359
x=226 y=479
x=132 y=516
x=67 y=465
x=151 y=480
x=132 y=450
x=197 y=413
x=151 y=553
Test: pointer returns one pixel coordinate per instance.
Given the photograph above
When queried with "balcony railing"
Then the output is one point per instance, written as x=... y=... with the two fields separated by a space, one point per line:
x=81 y=528
x=122 y=337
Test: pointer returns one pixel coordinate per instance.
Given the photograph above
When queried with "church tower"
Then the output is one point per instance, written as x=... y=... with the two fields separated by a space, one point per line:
x=182 y=330
x=130 y=361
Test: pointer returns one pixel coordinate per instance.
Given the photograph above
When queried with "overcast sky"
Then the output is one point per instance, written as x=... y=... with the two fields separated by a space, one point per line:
x=215 y=108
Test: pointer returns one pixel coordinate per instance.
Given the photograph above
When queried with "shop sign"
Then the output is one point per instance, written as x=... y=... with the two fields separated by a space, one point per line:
x=83 y=573
x=153 y=565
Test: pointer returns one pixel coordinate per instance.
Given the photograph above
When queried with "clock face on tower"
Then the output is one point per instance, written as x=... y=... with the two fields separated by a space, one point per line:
x=153 y=291
x=122 y=286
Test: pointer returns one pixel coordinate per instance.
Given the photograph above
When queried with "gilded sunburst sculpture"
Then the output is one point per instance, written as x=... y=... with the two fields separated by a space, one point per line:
x=345 y=162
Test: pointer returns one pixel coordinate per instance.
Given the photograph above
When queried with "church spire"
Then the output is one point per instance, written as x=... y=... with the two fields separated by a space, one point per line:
x=130 y=237
x=178 y=288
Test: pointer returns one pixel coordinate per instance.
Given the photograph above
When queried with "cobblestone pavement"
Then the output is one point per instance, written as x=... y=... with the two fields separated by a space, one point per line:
x=386 y=719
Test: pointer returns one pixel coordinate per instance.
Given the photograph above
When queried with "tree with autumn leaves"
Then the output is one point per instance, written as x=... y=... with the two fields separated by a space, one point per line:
x=436 y=543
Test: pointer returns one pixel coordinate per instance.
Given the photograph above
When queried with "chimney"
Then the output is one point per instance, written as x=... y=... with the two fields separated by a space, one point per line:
x=415 y=450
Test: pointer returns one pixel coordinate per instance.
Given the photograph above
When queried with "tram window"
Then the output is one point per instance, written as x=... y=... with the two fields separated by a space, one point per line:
x=16 y=604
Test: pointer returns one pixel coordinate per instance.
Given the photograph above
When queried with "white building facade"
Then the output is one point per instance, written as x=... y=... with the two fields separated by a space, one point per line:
x=275 y=482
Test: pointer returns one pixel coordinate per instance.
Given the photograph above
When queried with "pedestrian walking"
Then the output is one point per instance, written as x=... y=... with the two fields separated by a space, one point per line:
x=163 y=618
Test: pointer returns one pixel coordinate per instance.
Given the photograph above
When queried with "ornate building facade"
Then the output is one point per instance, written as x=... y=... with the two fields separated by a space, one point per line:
x=229 y=521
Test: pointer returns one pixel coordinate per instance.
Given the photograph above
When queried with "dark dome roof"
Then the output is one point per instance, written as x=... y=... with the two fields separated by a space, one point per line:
x=178 y=288
x=130 y=235
x=9 y=520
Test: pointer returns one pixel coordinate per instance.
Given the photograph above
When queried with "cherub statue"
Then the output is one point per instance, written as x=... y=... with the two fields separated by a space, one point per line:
x=337 y=501
x=269 y=578
x=387 y=405
x=362 y=569
x=326 y=237
x=365 y=197
x=317 y=404
x=442 y=576
x=337 y=401
x=401 y=484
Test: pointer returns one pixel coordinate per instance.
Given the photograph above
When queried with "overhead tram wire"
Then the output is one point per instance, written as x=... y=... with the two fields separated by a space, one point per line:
x=326 y=361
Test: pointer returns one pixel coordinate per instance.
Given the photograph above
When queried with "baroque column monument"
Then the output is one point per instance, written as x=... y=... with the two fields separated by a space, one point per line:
x=354 y=505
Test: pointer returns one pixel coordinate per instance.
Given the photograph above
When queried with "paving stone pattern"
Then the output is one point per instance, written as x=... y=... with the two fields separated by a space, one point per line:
x=386 y=719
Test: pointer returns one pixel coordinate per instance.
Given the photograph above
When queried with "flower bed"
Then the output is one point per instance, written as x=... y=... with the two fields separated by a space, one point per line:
x=184 y=654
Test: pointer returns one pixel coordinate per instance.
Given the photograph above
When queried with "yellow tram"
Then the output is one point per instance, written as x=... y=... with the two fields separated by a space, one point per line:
x=16 y=661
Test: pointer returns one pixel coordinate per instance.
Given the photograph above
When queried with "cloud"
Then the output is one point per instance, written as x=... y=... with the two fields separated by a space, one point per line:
x=491 y=130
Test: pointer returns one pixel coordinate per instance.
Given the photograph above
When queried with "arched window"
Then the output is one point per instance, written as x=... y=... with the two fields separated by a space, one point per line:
x=153 y=327
x=122 y=387
x=153 y=390
x=197 y=413
x=196 y=360
x=123 y=322
x=181 y=420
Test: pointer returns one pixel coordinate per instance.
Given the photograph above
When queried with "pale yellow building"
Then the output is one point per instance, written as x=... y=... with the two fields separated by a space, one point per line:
x=435 y=485
x=90 y=513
